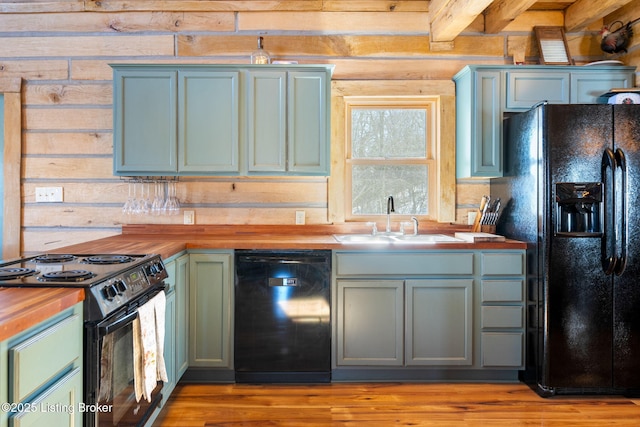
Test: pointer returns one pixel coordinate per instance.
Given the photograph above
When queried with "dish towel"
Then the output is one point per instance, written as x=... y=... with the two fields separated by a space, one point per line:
x=148 y=347
x=106 y=369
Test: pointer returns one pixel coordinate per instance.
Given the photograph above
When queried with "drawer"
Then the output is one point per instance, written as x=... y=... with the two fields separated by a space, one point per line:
x=503 y=264
x=38 y=360
x=502 y=349
x=62 y=397
x=502 y=291
x=404 y=263
x=502 y=317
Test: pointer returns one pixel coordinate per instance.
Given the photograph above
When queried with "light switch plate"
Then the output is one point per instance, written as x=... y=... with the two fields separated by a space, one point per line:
x=300 y=218
x=48 y=194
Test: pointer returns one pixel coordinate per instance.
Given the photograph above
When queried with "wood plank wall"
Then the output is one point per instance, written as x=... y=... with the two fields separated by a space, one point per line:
x=61 y=50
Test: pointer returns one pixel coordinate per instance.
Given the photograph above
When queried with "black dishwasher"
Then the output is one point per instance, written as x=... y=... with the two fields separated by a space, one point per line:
x=282 y=328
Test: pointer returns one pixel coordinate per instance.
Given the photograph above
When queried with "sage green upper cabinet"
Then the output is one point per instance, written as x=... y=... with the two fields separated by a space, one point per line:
x=208 y=121
x=267 y=120
x=589 y=86
x=145 y=121
x=309 y=122
x=478 y=122
x=288 y=121
x=525 y=89
x=484 y=93
x=221 y=119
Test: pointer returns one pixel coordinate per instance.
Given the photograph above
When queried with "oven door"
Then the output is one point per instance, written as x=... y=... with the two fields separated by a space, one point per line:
x=112 y=375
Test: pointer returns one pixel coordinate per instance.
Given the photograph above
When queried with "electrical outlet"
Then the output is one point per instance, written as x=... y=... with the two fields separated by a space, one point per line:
x=300 y=217
x=48 y=194
x=189 y=217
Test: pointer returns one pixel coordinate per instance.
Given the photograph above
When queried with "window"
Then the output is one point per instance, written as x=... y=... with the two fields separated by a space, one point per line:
x=390 y=151
x=437 y=99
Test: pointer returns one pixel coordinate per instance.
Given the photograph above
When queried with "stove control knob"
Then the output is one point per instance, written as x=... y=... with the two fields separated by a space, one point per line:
x=120 y=286
x=109 y=292
x=153 y=269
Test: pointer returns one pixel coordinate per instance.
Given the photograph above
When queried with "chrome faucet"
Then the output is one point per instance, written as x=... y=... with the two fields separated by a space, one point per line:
x=390 y=209
x=415 y=225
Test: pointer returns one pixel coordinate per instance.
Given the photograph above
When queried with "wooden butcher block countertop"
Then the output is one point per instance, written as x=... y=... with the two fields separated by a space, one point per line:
x=21 y=308
x=168 y=240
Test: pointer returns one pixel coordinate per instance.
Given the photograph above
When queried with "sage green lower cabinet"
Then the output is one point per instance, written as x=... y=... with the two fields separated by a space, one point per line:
x=170 y=343
x=210 y=310
x=42 y=373
x=428 y=315
x=370 y=318
x=176 y=321
x=439 y=322
x=182 y=315
x=502 y=312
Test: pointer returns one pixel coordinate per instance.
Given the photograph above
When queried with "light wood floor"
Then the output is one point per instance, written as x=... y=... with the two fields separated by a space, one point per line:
x=388 y=405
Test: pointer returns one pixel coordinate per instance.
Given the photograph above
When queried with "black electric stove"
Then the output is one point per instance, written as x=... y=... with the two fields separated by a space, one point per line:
x=111 y=281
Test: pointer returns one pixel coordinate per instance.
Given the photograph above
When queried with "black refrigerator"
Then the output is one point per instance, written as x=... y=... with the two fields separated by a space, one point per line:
x=571 y=191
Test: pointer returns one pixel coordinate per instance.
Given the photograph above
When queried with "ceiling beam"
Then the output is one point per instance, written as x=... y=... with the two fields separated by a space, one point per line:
x=501 y=12
x=583 y=12
x=448 y=18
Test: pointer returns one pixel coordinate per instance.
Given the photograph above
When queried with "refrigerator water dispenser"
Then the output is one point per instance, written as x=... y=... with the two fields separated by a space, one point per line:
x=578 y=207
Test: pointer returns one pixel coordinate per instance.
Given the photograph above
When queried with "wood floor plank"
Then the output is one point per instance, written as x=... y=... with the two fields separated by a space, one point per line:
x=387 y=405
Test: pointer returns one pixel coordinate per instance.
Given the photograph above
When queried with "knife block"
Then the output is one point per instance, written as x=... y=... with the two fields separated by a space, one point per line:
x=488 y=229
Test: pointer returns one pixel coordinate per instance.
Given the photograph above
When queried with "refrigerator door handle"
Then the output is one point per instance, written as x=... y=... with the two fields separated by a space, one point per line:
x=621 y=262
x=608 y=235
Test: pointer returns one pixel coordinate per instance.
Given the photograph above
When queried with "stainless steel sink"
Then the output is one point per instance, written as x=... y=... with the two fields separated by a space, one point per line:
x=425 y=238
x=395 y=239
x=364 y=238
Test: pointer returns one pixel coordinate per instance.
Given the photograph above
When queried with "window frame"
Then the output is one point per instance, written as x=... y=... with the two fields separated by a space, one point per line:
x=443 y=91
x=427 y=104
x=11 y=89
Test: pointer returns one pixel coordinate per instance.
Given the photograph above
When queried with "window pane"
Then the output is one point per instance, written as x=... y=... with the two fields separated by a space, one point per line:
x=372 y=184
x=388 y=133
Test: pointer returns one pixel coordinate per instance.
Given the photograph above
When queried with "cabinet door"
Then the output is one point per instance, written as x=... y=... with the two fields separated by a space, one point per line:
x=210 y=293
x=525 y=89
x=52 y=404
x=182 y=315
x=145 y=122
x=267 y=120
x=587 y=87
x=170 y=345
x=370 y=322
x=208 y=121
x=29 y=372
x=308 y=147
x=439 y=322
x=486 y=126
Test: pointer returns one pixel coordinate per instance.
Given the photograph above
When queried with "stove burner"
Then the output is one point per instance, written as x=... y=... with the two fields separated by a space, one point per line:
x=66 y=276
x=108 y=259
x=54 y=258
x=10 y=273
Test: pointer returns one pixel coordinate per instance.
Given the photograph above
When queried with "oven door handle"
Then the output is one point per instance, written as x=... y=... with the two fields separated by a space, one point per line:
x=120 y=323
